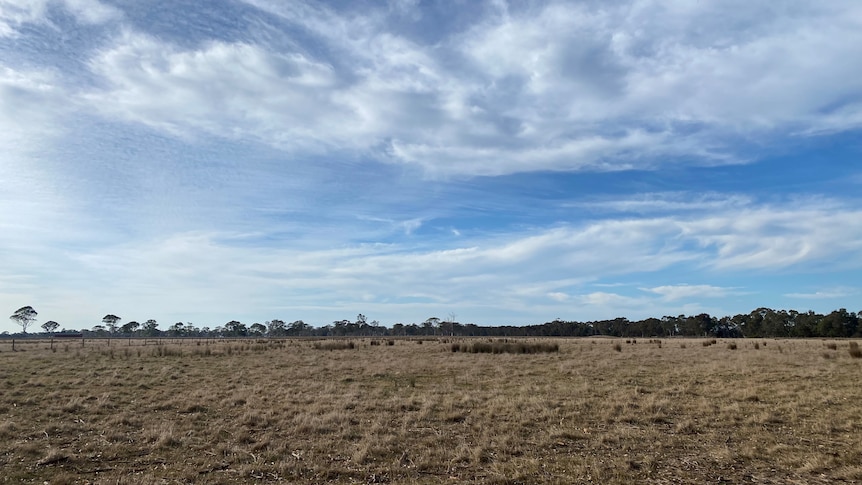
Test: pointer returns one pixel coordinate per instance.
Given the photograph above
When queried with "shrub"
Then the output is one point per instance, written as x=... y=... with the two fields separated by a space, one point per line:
x=618 y=347
x=855 y=351
x=731 y=346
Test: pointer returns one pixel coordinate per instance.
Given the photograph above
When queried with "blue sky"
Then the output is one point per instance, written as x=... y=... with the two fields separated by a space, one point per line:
x=506 y=162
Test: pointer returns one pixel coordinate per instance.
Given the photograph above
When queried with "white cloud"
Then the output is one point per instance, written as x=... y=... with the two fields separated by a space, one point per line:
x=234 y=90
x=674 y=202
x=30 y=101
x=610 y=300
x=825 y=294
x=770 y=237
x=683 y=292
x=558 y=87
x=14 y=13
x=92 y=11
x=516 y=272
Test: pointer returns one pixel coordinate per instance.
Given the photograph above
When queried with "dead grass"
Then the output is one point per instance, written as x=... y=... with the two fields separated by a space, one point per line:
x=404 y=413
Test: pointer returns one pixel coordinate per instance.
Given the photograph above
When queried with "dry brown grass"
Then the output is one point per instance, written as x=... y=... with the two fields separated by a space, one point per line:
x=236 y=412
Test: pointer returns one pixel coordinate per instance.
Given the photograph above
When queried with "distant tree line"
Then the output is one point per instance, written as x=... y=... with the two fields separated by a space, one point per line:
x=762 y=322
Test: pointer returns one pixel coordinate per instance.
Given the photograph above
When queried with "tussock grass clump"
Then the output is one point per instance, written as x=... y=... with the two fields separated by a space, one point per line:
x=618 y=347
x=165 y=351
x=503 y=347
x=855 y=351
x=335 y=345
x=731 y=346
x=832 y=346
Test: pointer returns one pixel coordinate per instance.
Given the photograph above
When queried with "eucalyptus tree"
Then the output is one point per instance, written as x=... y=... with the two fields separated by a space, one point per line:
x=24 y=316
x=110 y=320
x=50 y=326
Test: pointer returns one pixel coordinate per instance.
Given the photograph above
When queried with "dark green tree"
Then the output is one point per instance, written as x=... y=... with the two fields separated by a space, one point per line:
x=50 y=326
x=110 y=320
x=299 y=328
x=234 y=328
x=276 y=328
x=150 y=328
x=130 y=328
x=176 y=330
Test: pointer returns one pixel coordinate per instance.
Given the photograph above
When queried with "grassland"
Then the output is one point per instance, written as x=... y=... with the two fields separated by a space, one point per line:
x=595 y=411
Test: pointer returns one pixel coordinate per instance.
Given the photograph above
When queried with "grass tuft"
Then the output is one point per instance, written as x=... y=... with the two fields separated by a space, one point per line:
x=334 y=345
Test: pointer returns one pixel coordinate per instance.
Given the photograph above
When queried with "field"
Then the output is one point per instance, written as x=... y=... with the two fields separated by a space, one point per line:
x=412 y=411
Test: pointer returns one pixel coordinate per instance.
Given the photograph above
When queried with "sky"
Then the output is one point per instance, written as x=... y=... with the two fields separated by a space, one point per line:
x=499 y=162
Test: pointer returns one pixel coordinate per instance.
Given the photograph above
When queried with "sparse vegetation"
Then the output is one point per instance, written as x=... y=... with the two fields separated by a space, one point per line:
x=233 y=411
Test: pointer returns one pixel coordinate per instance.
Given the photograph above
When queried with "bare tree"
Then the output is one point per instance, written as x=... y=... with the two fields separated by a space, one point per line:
x=24 y=316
